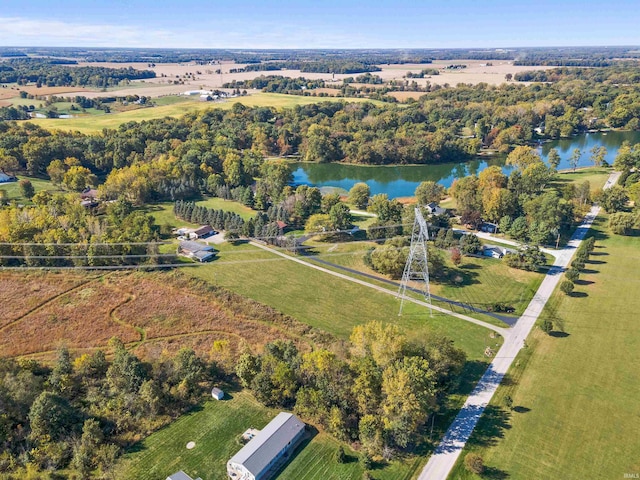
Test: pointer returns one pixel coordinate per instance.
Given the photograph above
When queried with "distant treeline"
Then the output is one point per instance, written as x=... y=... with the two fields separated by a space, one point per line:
x=320 y=66
x=276 y=84
x=51 y=73
x=624 y=74
x=562 y=56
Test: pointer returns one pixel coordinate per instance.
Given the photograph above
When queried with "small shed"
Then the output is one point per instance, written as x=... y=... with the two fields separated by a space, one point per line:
x=217 y=393
x=180 y=476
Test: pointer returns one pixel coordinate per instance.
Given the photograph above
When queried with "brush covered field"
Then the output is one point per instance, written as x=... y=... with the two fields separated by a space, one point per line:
x=148 y=313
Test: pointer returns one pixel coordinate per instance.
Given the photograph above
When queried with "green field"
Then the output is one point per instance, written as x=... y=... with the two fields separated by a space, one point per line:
x=163 y=212
x=13 y=189
x=329 y=303
x=215 y=427
x=577 y=413
x=596 y=176
x=478 y=281
x=91 y=124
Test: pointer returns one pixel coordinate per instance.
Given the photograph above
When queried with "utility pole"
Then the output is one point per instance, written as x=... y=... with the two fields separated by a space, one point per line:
x=417 y=266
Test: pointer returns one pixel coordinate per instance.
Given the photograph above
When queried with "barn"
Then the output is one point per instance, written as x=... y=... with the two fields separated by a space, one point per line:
x=268 y=450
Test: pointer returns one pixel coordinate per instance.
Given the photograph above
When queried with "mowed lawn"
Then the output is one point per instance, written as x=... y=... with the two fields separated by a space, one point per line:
x=215 y=428
x=39 y=184
x=163 y=212
x=576 y=394
x=477 y=281
x=92 y=124
x=327 y=302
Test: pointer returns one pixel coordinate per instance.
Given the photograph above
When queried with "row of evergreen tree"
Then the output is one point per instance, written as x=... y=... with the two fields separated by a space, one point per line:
x=262 y=226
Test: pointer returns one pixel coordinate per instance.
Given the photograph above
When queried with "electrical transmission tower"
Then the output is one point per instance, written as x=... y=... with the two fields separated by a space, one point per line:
x=417 y=267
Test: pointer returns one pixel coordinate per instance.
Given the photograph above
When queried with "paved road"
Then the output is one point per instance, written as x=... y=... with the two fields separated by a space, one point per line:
x=502 y=331
x=444 y=458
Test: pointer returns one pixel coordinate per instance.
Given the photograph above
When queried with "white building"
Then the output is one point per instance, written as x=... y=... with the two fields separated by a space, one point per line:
x=259 y=458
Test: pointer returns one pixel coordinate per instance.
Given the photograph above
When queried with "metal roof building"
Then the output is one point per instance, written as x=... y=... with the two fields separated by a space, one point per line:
x=264 y=452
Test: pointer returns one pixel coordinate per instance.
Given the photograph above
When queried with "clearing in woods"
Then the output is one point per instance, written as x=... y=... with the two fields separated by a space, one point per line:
x=215 y=429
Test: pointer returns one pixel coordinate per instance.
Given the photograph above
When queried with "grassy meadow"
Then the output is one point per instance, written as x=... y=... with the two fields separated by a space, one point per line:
x=575 y=392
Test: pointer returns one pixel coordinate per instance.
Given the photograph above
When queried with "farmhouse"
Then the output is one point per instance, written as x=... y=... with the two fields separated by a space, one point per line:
x=4 y=178
x=495 y=251
x=180 y=476
x=202 y=232
x=434 y=209
x=259 y=458
x=196 y=251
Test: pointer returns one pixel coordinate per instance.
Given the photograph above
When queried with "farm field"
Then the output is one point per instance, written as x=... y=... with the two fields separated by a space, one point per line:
x=215 y=427
x=91 y=124
x=574 y=392
x=151 y=313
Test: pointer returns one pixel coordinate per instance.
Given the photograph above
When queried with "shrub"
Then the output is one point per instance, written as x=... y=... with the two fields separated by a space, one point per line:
x=546 y=326
x=572 y=275
x=340 y=456
x=567 y=287
x=621 y=223
x=474 y=463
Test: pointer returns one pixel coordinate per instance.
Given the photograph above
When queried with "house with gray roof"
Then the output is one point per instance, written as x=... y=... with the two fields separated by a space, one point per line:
x=196 y=251
x=268 y=450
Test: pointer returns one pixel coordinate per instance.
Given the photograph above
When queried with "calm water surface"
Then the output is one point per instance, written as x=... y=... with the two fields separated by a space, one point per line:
x=402 y=180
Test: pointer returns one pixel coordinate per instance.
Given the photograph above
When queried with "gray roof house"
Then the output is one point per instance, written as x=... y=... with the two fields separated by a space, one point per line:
x=4 y=178
x=434 y=209
x=496 y=251
x=180 y=476
x=265 y=452
x=196 y=251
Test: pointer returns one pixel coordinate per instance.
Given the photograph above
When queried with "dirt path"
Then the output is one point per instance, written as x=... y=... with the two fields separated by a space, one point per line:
x=41 y=305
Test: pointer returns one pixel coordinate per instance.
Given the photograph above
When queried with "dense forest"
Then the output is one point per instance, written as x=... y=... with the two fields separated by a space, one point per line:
x=52 y=74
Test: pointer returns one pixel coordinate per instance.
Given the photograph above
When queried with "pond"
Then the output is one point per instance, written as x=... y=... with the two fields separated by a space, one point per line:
x=402 y=180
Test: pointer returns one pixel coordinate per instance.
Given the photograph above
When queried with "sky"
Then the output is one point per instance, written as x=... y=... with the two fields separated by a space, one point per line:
x=319 y=24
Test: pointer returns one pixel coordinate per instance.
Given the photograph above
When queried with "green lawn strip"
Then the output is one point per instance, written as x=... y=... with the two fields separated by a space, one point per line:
x=478 y=281
x=576 y=393
x=214 y=427
x=596 y=176
x=39 y=184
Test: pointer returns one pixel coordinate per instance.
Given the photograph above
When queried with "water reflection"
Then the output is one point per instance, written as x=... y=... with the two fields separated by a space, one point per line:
x=402 y=180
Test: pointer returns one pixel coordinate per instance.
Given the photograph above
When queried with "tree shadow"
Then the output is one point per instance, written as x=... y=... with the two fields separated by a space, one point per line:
x=508 y=380
x=491 y=427
x=579 y=294
x=590 y=271
x=470 y=266
x=521 y=409
x=495 y=473
x=584 y=282
x=595 y=262
x=556 y=334
x=599 y=254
